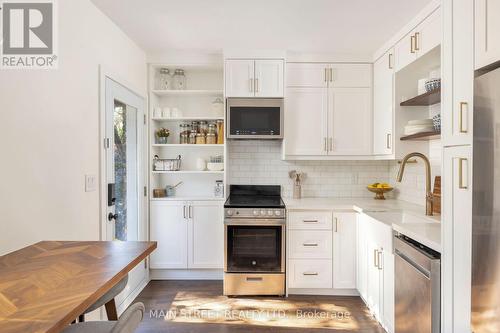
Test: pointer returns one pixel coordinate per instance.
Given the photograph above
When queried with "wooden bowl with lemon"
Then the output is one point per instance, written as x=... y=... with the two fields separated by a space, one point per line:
x=379 y=189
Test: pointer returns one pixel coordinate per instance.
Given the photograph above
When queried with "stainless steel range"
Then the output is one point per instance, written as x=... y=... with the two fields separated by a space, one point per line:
x=254 y=241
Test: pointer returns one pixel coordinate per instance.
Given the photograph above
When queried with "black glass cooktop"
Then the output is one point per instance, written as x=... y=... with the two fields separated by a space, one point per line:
x=254 y=196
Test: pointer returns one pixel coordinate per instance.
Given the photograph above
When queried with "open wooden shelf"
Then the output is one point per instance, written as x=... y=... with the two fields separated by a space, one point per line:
x=429 y=98
x=425 y=136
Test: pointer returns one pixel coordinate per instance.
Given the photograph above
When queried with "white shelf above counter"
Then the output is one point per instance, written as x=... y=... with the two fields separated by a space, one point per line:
x=190 y=172
x=207 y=92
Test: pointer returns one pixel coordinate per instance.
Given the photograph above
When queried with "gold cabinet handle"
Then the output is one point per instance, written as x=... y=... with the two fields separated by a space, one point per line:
x=250 y=85
x=326 y=74
x=463 y=185
x=325 y=143
x=390 y=61
x=310 y=244
x=256 y=85
x=330 y=142
x=379 y=259
x=331 y=74
x=336 y=224
x=389 y=140
x=412 y=44
x=310 y=221
x=375 y=258
x=463 y=105
x=417 y=41
x=310 y=273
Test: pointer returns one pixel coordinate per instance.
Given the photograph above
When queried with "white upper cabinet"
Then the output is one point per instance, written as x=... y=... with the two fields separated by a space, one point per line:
x=383 y=104
x=428 y=34
x=350 y=121
x=269 y=78
x=332 y=118
x=487 y=32
x=306 y=75
x=458 y=74
x=425 y=37
x=206 y=235
x=350 y=75
x=405 y=52
x=240 y=78
x=254 y=78
x=306 y=127
x=344 y=250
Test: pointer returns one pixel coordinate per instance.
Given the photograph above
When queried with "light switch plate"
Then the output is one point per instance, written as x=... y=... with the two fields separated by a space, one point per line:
x=90 y=183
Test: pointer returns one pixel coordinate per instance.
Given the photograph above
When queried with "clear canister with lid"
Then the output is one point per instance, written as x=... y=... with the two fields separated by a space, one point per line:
x=195 y=126
x=179 y=79
x=203 y=127
x=184 y=131
x=212 y=128
x=192 y=138
x=200 y=139
x=211 y=139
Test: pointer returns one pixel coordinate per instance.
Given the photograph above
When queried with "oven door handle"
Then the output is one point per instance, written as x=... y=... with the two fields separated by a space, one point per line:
x=260 y=222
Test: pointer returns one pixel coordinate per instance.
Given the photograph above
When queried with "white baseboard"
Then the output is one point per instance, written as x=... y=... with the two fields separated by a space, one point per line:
x=184 y=274
x=326 y=292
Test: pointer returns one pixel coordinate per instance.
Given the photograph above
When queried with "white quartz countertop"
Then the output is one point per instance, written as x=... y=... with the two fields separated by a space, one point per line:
x=406 y=218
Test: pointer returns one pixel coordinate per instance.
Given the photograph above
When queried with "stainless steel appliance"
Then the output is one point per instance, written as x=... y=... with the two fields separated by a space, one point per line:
x=255 y=118
x=254 y=241
x=417 y=287
x=486 y=204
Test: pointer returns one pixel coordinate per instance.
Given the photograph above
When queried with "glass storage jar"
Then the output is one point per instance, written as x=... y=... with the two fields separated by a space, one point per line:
x=212 y=128
x=200 y=139
x=220 y=131
x=203 y=127
x=211 y=139
x=179 y=79
x=192 y=138
x=164 y=79
x=195 y=126
x=184 y=138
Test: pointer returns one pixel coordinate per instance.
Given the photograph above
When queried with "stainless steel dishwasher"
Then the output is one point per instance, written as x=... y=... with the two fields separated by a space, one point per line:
x=417 y=287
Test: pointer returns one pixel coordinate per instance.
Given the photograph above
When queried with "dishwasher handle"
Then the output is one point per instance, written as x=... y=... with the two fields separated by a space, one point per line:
x=420 y=269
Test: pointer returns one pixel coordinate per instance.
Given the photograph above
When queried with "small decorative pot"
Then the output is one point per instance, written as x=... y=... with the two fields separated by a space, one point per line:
x=162 y=140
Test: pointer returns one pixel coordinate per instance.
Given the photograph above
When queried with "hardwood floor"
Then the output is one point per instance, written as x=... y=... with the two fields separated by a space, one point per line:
x=198 y=306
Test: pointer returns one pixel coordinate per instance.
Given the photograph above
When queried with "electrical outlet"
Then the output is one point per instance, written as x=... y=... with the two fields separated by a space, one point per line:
x=90 y=183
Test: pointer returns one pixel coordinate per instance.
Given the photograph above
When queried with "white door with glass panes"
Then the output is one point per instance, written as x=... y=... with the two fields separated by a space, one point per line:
x=125 y=200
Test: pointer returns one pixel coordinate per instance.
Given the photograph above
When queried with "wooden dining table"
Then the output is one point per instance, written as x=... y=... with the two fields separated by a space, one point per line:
x=45 y=286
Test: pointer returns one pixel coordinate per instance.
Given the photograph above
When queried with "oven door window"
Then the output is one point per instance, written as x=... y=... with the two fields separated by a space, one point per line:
x=246 y=120
x=254 y=248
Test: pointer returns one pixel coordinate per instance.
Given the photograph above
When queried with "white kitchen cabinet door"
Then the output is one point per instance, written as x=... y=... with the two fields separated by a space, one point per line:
x=383 y=104
x=239 y=76
x=387 y=264
x=168 y=226
x=306 y=75
x=205 y=235
x=405 y=52
x=487 y=22
x=428 y=34
x=350 y=121
x=344 y=250
x=374 y=295
x=362 y=257
x=457 y=112
x=306 y=127
x=456 y=261
x=350 y=75
x=269 y=78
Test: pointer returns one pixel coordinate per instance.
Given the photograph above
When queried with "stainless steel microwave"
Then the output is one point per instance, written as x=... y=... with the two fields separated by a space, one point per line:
x=255 y=118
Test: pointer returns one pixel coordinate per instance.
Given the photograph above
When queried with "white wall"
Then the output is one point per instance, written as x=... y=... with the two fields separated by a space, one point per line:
x=49 y=130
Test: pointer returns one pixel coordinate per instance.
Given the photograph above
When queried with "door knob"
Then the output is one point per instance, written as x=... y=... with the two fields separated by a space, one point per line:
x=112 y=216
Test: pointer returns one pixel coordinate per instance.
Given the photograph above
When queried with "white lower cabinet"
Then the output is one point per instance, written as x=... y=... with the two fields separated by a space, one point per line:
x=321 y=250
x=190 y=235
x=375 y=262
x=344 y=251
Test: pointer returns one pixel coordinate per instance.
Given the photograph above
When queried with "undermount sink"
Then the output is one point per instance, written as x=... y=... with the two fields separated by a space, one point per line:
x=407 y=218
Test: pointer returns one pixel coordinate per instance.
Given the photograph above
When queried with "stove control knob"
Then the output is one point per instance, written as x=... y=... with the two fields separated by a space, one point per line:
x=270 y=212
x=255 y=212
x=262 y=212
x=277 y=212
x=229 y=212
